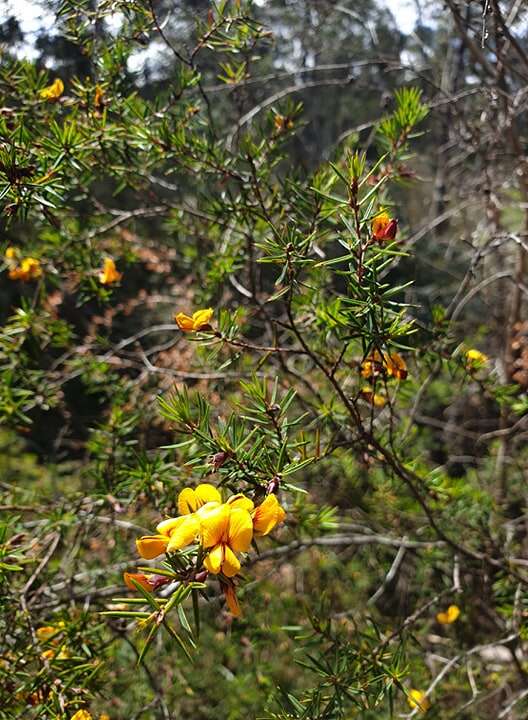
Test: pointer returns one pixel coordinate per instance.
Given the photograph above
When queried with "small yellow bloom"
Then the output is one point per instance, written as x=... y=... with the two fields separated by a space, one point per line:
x=384 y=227
x=109 y=273
x=199 y=321
x=282 y=122
x=267 y=515
x=29 y=269
x=225 y=530
x=11 y=253
x=53 y=91
x=104 y=716
x=81 y=715
x=54 y=654
x=450 y=616
x=99 y=98
x=475 y=358
x=150 y=546
x=48 y=631
x=373 y=398
x=418 y=699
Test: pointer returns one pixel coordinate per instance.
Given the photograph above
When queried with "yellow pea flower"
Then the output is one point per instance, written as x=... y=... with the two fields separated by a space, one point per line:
x=109 y=273
x=46 y=632
x=267 y=515
x=418 y=699
x=475 y=358
x=198 y=321
x=150 y=546
x=11 y=253
x=373 y=398
x=225 y=530
x=450 y=616
x=53 y=91
x=29 y=269
x=189 y=500
x=81 y=715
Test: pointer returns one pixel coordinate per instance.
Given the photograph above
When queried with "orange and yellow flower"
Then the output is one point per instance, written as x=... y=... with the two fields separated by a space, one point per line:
x=29 y=269
x=372 y=397
x=109 y=274
x=392 y=365
x=53 y=91
x=384 y=227
x=267 y=515
x=450 y=616
x=225 y=531
x=99 y=98
x=282 y=122
x=199 y=320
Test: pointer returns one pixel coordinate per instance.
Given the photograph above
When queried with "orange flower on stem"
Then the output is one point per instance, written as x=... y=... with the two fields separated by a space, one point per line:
x=199 y=320
x=109 y=273
x=384 y=227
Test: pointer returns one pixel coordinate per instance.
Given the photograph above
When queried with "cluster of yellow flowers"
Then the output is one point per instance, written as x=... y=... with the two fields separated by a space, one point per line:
x=25 y=269
x=52 y=635
x=85 y=715
x=375 y=366
x=222 y=529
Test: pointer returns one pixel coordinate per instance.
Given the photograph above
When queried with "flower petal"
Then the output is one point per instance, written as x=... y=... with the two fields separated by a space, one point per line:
x=184 y=322
x=187 y=501
x=213 y=562
x=184 y=533
x=241 y=501
x=268 y=515
x=150 y=546
x=201 y=318
x=205 y=492
x=240 y=532
x=140 y=578
x=232 y=600
x=231 y=564
x=214 y=523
